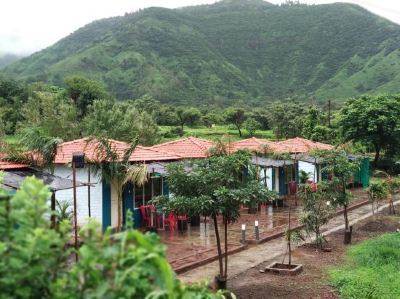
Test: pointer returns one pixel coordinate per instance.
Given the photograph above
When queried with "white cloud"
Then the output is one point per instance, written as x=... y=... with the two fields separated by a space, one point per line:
x=30 y=25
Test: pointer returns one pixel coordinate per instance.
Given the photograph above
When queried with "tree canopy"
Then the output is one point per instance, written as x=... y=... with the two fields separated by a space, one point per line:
x=373 y=121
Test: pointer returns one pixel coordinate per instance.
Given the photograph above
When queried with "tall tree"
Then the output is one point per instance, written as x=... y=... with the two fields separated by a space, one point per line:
x=286 y=118
x=84 y=91
x=236 y=116
x=55 y=116
x=120 y=121
x=373 y=121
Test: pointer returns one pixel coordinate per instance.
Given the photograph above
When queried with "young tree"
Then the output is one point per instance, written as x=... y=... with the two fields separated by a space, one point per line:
x=372 y=120
x=339 y=170
x=216 y=186
x=251 y=126
x=377 y=191
x=316 y=210
x=114 y=168
x=236 y=116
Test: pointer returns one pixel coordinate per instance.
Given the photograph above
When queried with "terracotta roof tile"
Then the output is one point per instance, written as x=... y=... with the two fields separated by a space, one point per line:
x=301 y=145
x=86 y=145
x=11 y=165
x=187 y=148
x=145 y=154
x=256 y=144
x=90 y=148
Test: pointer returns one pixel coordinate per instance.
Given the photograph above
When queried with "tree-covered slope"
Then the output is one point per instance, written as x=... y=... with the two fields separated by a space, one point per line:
x=228 y=51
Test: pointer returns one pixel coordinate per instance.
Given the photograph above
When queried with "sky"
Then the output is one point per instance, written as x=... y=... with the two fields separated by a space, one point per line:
x=27 y=26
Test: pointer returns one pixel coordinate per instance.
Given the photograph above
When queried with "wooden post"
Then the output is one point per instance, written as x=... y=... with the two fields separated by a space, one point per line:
x=75 y=218
x=89 y=192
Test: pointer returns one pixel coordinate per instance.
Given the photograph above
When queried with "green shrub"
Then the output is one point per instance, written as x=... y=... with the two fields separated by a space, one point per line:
x=34 y=262
x=371 y=269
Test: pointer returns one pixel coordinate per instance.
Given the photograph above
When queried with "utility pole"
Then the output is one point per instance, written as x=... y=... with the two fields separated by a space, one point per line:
x=329 y=113
x=78 y=161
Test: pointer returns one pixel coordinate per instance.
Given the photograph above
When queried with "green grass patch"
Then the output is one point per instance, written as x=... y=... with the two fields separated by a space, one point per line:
x=371 y=270
x=11 y=139
x=214 y=133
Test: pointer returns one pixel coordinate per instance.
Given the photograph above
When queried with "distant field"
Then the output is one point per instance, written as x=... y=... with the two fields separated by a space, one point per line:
x=215 y=133
x=10 y=139
x=200 y=132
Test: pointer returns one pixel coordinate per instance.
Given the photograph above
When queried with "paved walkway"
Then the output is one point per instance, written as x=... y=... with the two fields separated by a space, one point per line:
x=269 y=251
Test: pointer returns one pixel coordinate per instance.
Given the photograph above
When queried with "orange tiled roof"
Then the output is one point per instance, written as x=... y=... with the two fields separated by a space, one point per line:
x=255 y=144
x=142 y=153
x=11 y=165
x=90 y=148
x=301 y=145
x=190 y=147
x=86 y=145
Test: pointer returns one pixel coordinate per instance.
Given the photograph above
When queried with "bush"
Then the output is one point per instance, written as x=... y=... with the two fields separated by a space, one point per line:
x=371 y=269
x=34 y=262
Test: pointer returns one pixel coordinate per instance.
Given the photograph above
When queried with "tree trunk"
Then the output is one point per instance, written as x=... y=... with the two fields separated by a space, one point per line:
x=289 y=239
x=119 y=225
x=346 y=219
x=226 y=247
x=221 y=267
x=377 y=154
x=240 y=132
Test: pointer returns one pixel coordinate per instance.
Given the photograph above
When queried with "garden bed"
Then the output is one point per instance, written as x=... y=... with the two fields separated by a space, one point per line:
x=313 y=281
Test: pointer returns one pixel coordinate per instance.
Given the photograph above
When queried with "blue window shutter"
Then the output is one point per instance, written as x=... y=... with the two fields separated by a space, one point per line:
x=165 y=187
x=273 y=178
x=106 y=205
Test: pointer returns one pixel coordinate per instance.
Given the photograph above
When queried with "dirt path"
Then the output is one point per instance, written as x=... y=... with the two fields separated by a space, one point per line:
x=313 y=281
x=257 y=256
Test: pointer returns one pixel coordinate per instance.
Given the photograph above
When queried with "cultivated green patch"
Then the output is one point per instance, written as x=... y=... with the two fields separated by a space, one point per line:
x=371 y=269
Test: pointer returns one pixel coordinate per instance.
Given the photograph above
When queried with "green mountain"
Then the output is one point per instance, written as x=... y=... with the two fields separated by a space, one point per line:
x=233 y=50
x=8 y=58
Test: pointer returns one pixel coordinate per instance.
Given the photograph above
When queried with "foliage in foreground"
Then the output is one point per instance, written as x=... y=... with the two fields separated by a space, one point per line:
x=34 y=261
x=371 y=270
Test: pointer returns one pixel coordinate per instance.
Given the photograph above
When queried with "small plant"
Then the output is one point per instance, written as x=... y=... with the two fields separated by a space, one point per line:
x=316 y=212
x=64 y=210
x=377 y=191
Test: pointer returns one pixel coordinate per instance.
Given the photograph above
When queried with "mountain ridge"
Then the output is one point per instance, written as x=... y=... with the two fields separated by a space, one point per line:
x=232 y=50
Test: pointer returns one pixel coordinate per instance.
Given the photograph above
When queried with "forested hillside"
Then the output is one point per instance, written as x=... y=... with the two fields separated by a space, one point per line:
x=247 y=50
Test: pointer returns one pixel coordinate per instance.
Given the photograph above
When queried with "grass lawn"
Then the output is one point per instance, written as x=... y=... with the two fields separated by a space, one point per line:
x=371 y=270
x=215 y=133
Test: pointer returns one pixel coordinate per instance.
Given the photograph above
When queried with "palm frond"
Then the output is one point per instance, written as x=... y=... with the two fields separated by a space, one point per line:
x=137 y=174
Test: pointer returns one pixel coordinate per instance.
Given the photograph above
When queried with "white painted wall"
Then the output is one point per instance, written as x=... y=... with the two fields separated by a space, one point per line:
x=96 y=194
x=276 y=180
x=268 y=173
x=309 y=168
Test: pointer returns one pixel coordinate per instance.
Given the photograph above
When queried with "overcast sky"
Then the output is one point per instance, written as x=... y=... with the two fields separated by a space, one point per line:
x=27 y=26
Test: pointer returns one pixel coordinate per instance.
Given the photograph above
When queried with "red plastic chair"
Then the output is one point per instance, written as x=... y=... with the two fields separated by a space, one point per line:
x=146 y=216
x=170 y=221
x=292 y=187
